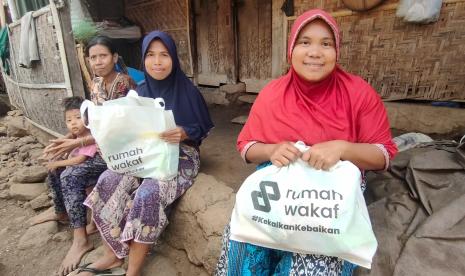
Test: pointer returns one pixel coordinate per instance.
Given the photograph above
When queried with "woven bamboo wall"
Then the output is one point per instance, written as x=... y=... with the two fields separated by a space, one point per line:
x=40 y=105
x=170 y=16
x=402 y=60
x=49 y=69
x=38 y=91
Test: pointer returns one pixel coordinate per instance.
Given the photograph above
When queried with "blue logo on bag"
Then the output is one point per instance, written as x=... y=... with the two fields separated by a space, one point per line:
x=265 y=196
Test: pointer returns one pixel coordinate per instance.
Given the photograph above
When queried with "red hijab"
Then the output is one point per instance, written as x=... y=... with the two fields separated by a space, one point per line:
x=340 y=107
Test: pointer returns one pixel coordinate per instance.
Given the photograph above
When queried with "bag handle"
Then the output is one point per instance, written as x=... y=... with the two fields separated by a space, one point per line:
x=159 y=103
x=303 y=148
x=132 y=94
x=86 y=106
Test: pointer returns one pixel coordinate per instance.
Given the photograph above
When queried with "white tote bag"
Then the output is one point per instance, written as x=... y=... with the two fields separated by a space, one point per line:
x=300 y=209
x=127 y=132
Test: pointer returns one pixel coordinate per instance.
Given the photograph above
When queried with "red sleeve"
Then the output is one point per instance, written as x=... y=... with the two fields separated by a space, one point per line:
x=372 y=122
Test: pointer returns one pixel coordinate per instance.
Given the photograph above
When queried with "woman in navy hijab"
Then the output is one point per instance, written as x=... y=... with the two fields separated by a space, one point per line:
x=130 y=212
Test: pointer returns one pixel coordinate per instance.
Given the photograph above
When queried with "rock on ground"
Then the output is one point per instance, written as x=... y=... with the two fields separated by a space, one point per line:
x=38 y=235
x=197 y=222
x=7 y=149
x=4 y=107
x=16 y=127
x=62 y=236
x=5 y=173
x=167 y=261
x=31 y=174
x=3 y=130
x=25 y=140
x=27 y=191
x=40 y=202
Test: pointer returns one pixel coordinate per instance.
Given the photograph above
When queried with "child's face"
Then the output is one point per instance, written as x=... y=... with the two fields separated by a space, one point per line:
x=74 y=123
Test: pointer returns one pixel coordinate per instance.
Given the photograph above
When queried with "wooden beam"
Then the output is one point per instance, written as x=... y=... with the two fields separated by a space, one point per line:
x=35 y=14
x=189 y=46
x=61 y=46
x=2 y=14
x=49 y=131
x=69 y=44
x=36 y=85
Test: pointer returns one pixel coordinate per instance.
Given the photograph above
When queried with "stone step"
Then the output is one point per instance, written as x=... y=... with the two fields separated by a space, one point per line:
x=240 y=120
x=250 y=98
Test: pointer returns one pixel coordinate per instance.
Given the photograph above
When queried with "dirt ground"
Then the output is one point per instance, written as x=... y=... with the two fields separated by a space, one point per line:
x=218 y=153
x=218 y=158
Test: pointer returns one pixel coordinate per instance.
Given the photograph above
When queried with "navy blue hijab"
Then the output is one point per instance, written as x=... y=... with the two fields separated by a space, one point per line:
x=180 y=95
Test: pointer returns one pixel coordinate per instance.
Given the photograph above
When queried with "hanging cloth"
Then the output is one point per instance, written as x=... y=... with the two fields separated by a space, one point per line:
x=5 y=49
x=28 y=48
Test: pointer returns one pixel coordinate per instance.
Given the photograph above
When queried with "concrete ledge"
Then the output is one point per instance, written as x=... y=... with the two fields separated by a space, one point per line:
x=426 y=119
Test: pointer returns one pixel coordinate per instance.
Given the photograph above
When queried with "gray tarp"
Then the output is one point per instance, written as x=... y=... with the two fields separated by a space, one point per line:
x=418 y=213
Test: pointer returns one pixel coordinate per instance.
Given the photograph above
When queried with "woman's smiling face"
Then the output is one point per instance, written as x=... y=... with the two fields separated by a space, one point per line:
x=158 y=62
x=314 y=53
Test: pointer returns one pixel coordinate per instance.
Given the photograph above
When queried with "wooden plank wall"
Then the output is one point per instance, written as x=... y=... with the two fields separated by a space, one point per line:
x=214 y=42
x=170 y=16
x=255 y=43
x=401 y=60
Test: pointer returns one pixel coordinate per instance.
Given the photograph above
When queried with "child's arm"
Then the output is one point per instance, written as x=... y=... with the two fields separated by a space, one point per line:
x=64 y=145
x=51 y=166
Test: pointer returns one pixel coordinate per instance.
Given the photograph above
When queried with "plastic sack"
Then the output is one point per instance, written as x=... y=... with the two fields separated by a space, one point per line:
x=410 y=140
x=419 y=11
x=300 y=209
x=127 y=132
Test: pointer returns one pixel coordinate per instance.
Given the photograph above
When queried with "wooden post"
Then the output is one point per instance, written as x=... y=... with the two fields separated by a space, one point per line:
x=67 y=46
x=278 y=39
x=188 y=31
x=2 y=14
x=61 y=46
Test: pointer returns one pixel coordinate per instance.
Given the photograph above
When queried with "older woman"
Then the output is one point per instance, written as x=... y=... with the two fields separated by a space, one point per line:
x=107 y=85
x=337 y=113
x=130 y=212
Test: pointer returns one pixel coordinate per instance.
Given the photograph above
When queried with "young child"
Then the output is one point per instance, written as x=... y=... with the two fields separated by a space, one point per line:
x=76 y=128
x=69 y=179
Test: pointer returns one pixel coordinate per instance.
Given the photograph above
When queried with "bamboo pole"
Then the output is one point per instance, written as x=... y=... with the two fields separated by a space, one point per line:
x=36 y=85
x=35 y=14
x=49 y=131
x=83 y=65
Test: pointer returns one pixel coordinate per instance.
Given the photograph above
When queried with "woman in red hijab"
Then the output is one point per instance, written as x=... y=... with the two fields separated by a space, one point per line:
x=338 y=114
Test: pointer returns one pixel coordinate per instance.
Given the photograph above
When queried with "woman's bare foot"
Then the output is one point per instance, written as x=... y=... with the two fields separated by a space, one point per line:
x=49 y=215
x=107 y=261
x=91 y=228
x=72 y=259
